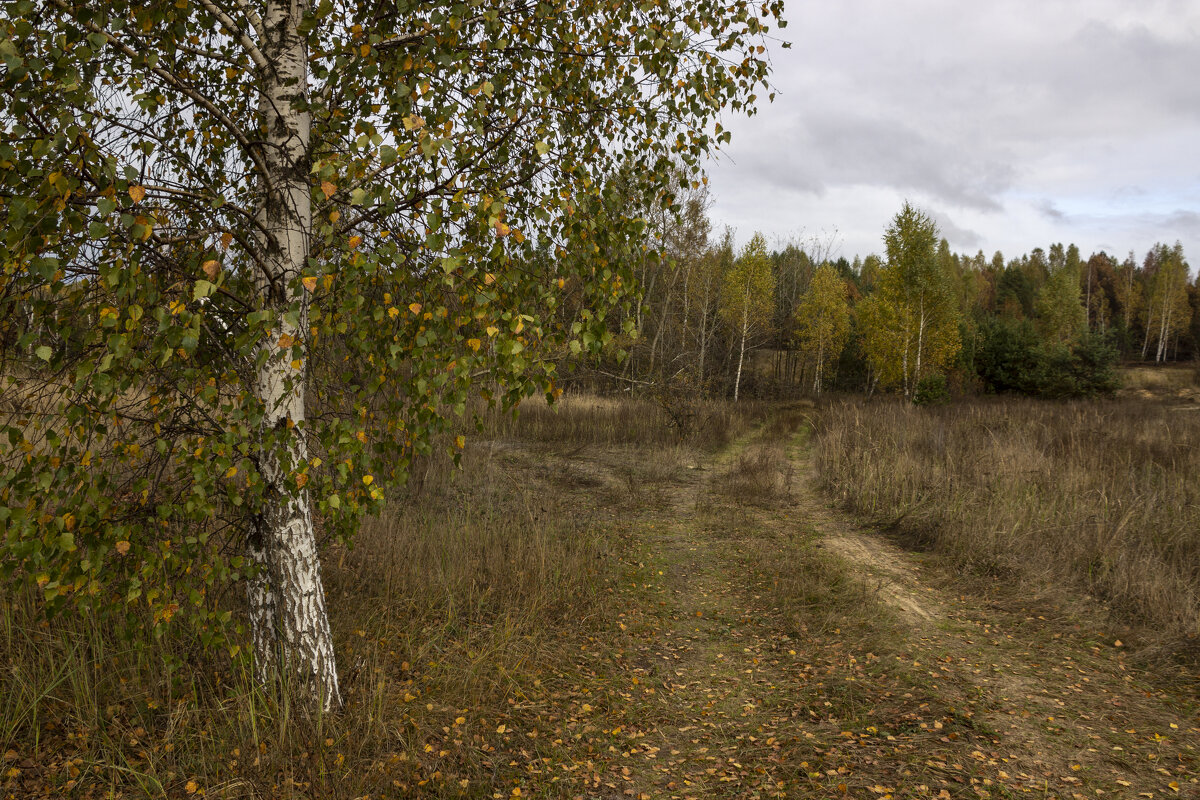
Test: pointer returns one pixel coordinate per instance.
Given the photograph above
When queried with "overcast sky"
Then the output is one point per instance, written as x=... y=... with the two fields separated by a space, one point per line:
x=1015 y=123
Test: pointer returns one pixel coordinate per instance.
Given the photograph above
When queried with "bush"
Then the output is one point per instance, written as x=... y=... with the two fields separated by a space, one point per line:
x=1013 y=359
x=931 y=390
x=1007 y=359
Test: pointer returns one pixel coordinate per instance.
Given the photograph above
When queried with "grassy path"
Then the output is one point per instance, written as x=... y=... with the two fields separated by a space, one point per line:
x=765 y=646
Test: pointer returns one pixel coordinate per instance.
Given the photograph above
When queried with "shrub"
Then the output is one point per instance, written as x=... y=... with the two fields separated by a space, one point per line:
x=931 y=390
x=1012 y=358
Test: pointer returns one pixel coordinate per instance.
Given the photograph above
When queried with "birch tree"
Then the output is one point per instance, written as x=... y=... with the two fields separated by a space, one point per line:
x=748 y=299
x=911 y=322
x=823 y=321
x=304 y=231
x=1062 y=315
x=1167 y=309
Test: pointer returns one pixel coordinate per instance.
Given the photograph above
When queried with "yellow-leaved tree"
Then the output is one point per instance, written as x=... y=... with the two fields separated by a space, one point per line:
x=910 y=323
x=823 y=321
x=748 y=297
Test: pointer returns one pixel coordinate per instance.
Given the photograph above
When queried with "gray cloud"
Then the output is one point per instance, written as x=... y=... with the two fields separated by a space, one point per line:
x=1051 y=211
x=960 y=238
x=1028 y=121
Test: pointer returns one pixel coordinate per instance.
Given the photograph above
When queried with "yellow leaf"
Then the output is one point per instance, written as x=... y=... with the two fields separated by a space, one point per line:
x=473 y=344
x=489 y=278
x=355 y=241
x=1174 y=786
x=368 y=480
x=328 y=189
x=232 y=471
x=122 y=547
x=226 y=240
x=310 y=283
x=393 y=312
x=192 y=787
x=502 y=230
x=211 y=269
x=137 y=193
x=365 y=50
x=492 y=330
x=301 y=479
x=501 y=729
x=460 y=442
x=414 y=308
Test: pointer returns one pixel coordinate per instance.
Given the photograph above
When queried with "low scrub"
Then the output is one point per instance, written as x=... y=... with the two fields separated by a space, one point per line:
x=1099 y=495
x=578 y=419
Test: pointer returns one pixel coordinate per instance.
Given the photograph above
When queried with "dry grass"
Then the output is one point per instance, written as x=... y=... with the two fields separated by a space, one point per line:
x=470 y=590
x=783 y=558
x=1160 y=378
x=641 y=421
x=1099 y=495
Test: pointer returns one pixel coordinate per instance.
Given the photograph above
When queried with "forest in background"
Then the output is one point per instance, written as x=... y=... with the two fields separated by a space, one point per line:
x=918 y=319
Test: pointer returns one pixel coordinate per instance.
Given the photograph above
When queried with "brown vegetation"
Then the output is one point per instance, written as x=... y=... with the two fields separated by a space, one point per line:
x=469 y=589
x=1102 y=496
x=598 y=604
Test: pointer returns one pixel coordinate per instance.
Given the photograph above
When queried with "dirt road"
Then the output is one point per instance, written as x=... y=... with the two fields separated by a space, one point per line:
x=769 y=646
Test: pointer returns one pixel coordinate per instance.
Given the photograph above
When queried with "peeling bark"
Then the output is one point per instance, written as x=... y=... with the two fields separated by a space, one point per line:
x=289 y=624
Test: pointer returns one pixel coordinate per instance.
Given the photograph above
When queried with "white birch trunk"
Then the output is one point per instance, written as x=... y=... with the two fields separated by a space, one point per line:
x=737 y=381
x=1164 y=334
x=920 y=346
x=289 y=626
x=820 y=364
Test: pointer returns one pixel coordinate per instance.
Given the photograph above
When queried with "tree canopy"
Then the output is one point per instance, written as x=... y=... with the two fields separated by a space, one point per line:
x=257 y=254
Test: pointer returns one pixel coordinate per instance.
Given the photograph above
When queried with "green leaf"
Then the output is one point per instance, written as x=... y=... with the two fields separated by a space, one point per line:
x=44 y=353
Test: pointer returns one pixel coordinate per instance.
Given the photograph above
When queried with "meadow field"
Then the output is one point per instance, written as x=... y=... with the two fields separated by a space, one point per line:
x=1099 y=497
x=618 y=598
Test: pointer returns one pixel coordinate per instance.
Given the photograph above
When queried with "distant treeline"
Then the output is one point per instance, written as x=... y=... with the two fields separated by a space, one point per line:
x=919 y=319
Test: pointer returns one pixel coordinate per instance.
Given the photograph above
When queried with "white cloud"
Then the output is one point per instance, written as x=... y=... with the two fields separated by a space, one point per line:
x=1015 y=123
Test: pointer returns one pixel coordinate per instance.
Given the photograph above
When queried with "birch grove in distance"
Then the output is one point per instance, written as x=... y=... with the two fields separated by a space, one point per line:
x=256 y=254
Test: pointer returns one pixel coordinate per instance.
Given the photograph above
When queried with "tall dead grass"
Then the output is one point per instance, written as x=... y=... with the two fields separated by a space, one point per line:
x=577 y=419
x=1099 y=495
x=447 y=604
x=473 y=586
